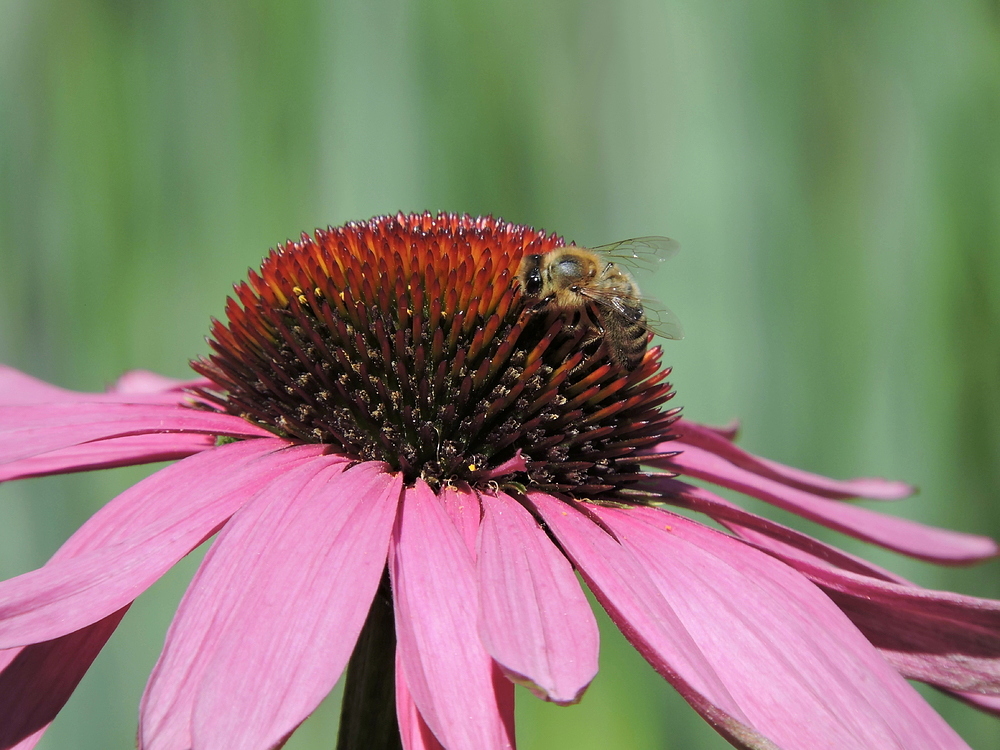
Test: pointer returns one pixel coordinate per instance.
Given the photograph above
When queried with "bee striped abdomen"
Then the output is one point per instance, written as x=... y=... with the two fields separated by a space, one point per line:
x=625 y=336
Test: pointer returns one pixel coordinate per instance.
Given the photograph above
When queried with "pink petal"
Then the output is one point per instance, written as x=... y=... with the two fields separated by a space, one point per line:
x=41 y=428
x=947 y=652
x=136 y=508
x=761 y=531
x=510 y=466
x=272 y=616
x=17 y=387
x=448 y=672
x=899 y=534
x=729 y=431
x=898 y=593
x=463 y=508
x=534 y=618
x=988 y=703
x=138 y=385
x=946 y=639
x=413 y=730
x=36 y=693
x=717 y=441
x=193 y=637
x=107 y=454
x=621 y=584
x=794 y=663
x=145 y=382
x=180 y=506
x=36 y=681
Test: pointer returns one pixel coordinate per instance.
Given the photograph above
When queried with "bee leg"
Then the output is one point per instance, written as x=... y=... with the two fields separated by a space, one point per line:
x=593 y=319
x=539 y=304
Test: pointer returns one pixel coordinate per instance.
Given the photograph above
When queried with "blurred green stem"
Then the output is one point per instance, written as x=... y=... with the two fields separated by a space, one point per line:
x=368 y=713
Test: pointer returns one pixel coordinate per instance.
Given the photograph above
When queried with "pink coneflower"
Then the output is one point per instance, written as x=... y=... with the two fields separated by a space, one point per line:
x=405 y=468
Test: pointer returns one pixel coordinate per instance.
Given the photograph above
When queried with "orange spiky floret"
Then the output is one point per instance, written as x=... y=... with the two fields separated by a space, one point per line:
x=406 y=339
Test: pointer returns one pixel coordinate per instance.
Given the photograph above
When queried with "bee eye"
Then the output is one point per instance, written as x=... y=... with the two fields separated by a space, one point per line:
x=533 y=277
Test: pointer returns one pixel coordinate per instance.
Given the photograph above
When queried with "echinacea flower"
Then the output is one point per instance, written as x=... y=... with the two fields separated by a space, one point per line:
x=405 y=468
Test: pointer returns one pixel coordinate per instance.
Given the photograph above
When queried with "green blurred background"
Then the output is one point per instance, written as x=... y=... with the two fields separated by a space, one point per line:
x=832 y=170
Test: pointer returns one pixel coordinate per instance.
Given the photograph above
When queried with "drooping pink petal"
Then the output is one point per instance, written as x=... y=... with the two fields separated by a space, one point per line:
x=945 y=639
x=116 y=521
x=270 y=621
x=898 y=593
x=795 y=664
x=144 y=504
x=719 y=442
x=181 y=505
x=107 y=454
x=757 y=528
x=141 y=386
x=167 y=705
x=989 y=704
x=413 y=730
x=621 y=584
x=947 y=652
x=36 y=681
x=942 y=638
x=306 y=600
x=899 y=534
x=447 y=670
x=463 y=508
x=136 y=382
x=534 y=619
x=17 y=387
x=41 y=428
x=48 y=688
x=728 y=431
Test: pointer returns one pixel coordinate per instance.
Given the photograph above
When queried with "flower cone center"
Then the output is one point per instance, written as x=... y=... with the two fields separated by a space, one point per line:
x=408 y=340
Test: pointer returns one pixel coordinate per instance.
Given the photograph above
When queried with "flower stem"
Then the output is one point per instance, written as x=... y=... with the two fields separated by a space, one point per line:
x=368 y=713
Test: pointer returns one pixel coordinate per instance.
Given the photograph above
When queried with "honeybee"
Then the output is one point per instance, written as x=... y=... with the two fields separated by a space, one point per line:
x=589 y=281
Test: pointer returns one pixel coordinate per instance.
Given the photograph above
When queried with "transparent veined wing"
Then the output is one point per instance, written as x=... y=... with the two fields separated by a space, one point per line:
x=662 y=321
x=658 y=318
x=644 y=252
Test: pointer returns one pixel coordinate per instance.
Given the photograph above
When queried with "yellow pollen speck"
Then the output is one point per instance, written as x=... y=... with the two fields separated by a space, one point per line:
x=669 y=528
x=473 y=467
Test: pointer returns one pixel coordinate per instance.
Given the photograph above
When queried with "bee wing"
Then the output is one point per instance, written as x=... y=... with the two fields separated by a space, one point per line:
x=662 y=321
x=658 y=318
x=645 y=252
